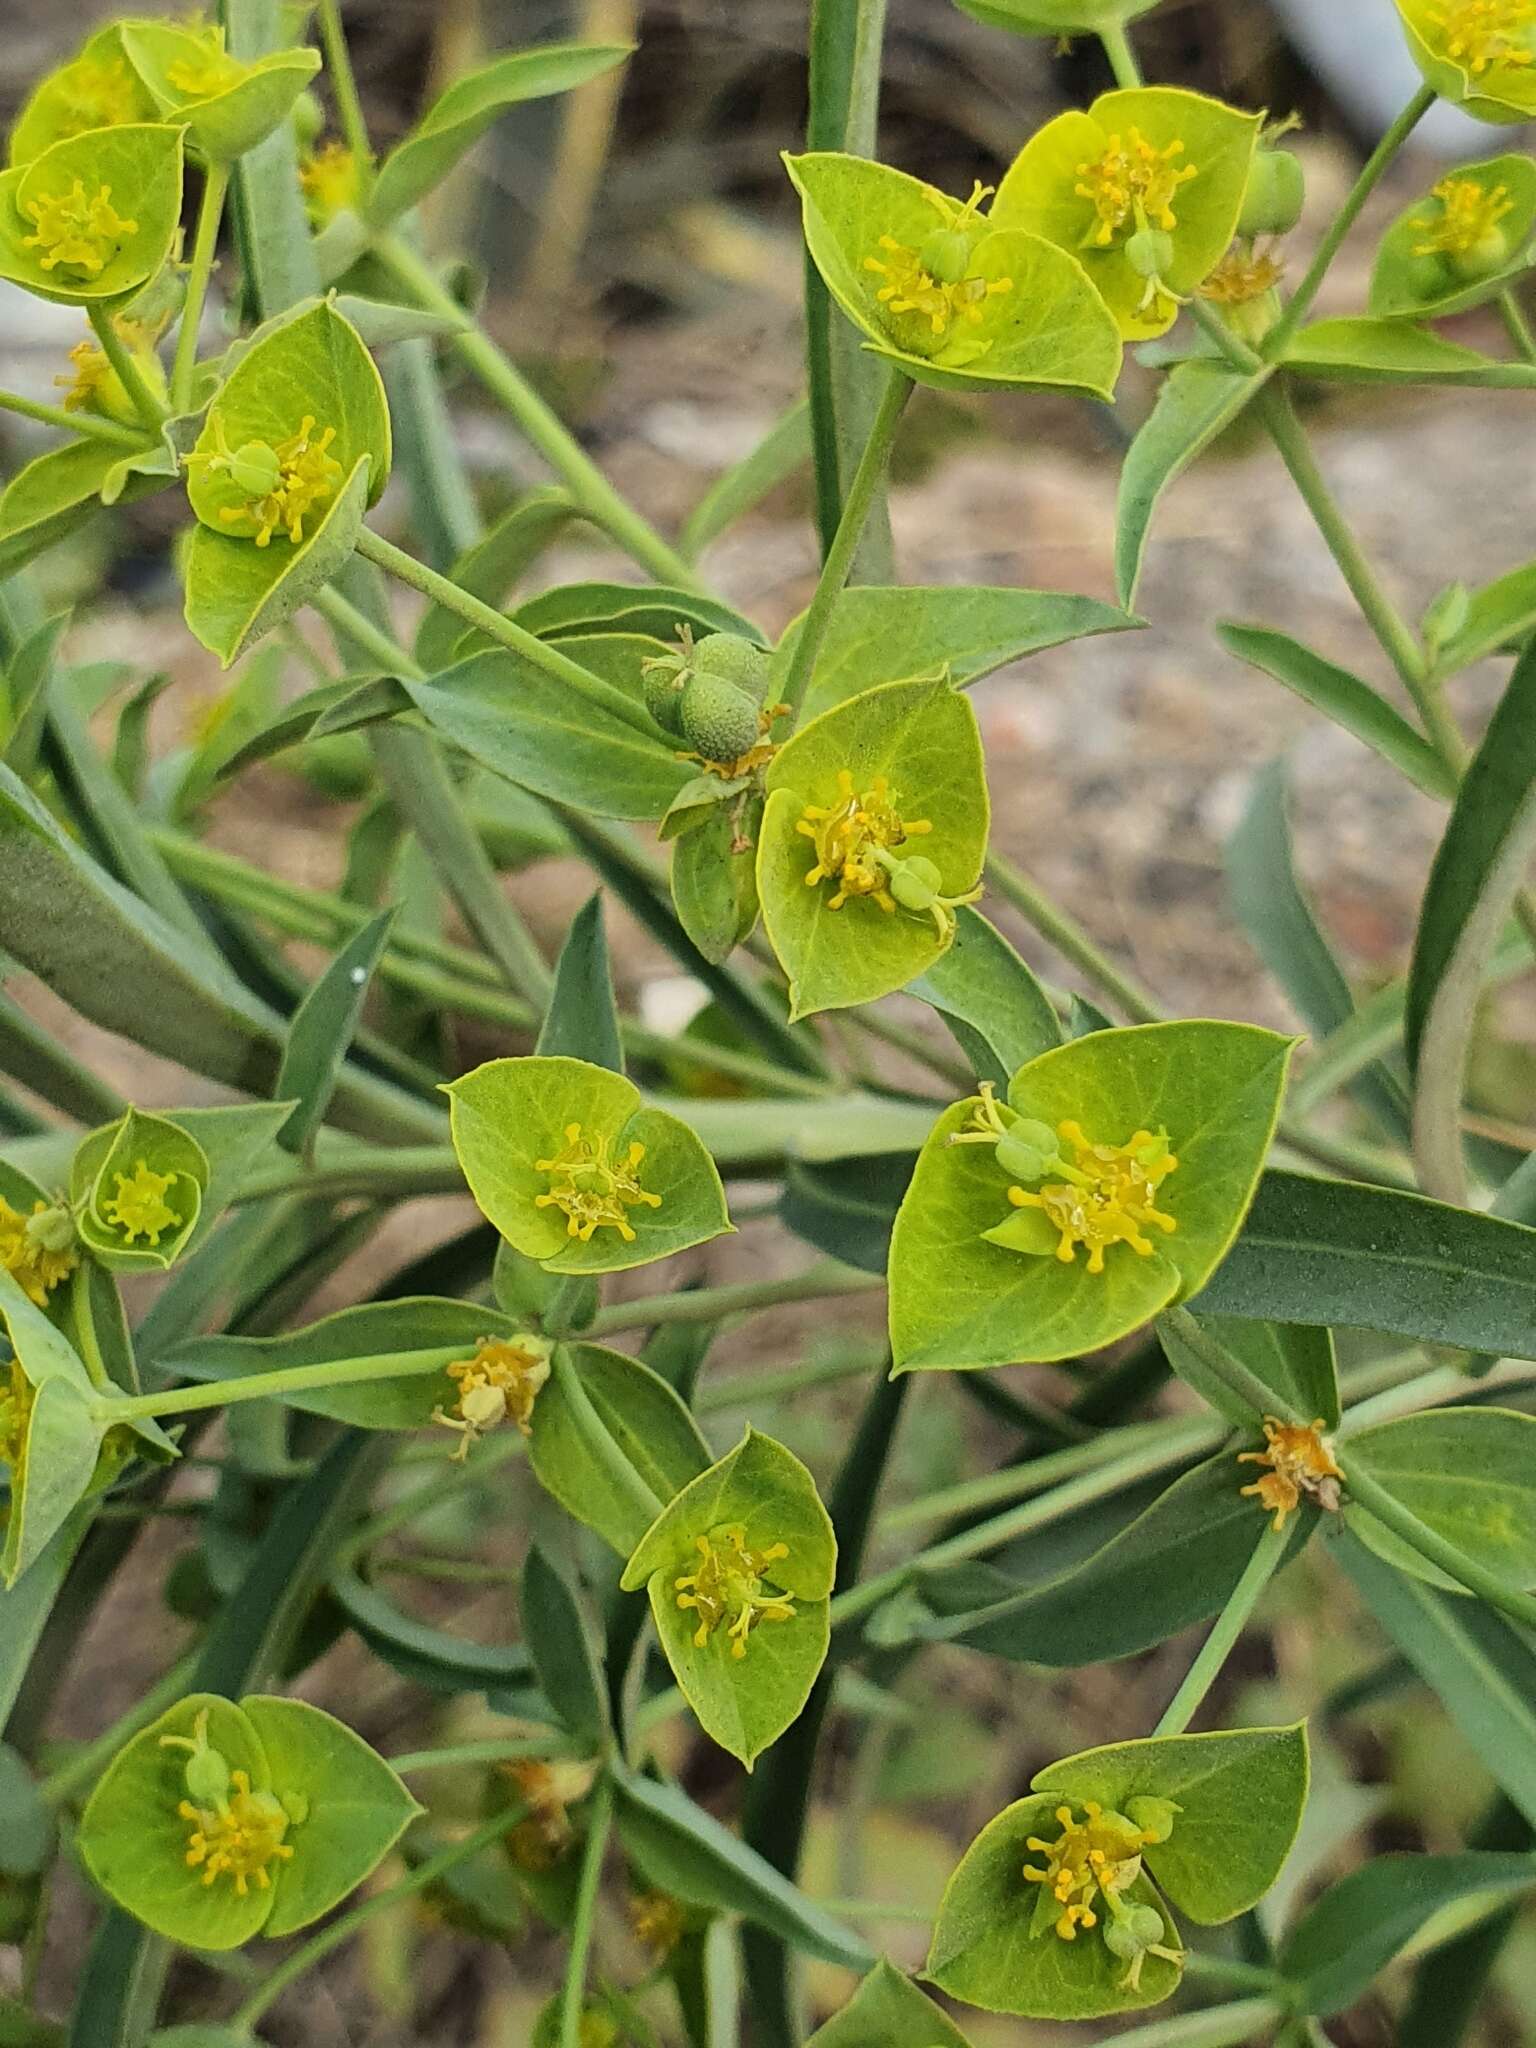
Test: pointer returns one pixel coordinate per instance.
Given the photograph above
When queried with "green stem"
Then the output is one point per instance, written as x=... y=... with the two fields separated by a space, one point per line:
x=418 y=781
x=573 y=1991
x=344 y=616
x=204 y=244
x=145 y=403
x=1516 y=325
x=506 y=1751
x=495 y=625
x=1071 y=941
x=1399 y=644
x=291 y=1379
x=820 y=1282
x=349 y=107
x=87 y=1763
x=1465 y=1570
x=540 y=426
x=1231 y=344
x=304 y=1958
x=867 y=479
x=91 y=424
x=1145 y=1462
x=1230 y=1623
x=598 y=1441
x=1230 y=1370
x=1300 y=305
x=1122 y=58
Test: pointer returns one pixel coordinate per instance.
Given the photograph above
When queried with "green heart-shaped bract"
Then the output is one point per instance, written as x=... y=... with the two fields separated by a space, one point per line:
x=97 y=88
x=1414 y=283
x=1499 y=92
x=138 y=167
x=922 y=737
x=509 y=1114
x=1044 y=193
x=1048 y=329
x=105 y=1169
x=745 y=1701
x=1055 y=17
x=226 y=119
x=961 y=1299
x=345 y=1810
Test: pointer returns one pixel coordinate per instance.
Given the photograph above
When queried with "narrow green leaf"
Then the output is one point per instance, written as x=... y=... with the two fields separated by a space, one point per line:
x=1469 y=1474
x=320 y=1032
x=889 y=2009
x=1000 y=1015
x=582 y=1020
x=1343 y=697
x=783 y=450
x=561 y=1639
x=1359 y=1924
x=1370 y=351
x=1197 y=401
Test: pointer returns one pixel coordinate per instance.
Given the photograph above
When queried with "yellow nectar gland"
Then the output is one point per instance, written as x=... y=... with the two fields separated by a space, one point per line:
x=16 y=1401
x=1482 y=34
x=241 y=1837
x=287 y=482
x=1242 y=276
x=499 y=1384
x=1469 y=214
x=728 y=1587
x=915 y=280
x=1132 y=185
x=211 y=71
x=139 y=1208
x=1106 y=1196
x=1302 y=1465
x=848 y=836
x=38 y=1251
x=593 y=1191
x=329 y=180
x=90 y=379
x=658 y=1921
x=77 y=231
x=1093 y=1863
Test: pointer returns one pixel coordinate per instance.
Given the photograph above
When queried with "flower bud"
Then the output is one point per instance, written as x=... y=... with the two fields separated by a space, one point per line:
x=52 y=1229
x=1277 y=191
x=308 y=119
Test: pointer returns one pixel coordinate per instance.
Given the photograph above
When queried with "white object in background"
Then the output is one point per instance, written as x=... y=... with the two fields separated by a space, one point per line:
x=1357 y=48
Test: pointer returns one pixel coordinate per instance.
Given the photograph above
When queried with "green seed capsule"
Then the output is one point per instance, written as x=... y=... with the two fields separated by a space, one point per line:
x=946 y=255
x=1149 y=252
x=662 y=682
x=207 y=1777
x=255 y=469
x=718 y=720
x=1277 y=191
x=735 y=660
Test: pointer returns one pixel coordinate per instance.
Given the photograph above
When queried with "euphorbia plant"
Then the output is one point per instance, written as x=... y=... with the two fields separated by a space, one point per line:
x=797 y=812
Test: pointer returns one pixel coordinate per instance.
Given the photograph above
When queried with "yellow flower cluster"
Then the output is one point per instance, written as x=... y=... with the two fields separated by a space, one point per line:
x=728 y=1588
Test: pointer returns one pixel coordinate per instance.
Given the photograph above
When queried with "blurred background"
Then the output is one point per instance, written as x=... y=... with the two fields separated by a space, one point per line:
x=641 y=259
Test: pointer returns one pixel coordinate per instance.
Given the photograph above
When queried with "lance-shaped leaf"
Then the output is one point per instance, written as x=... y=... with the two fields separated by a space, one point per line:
x=137 y=1187
x=457 y=120
x=889 y=2009
x=884 y=634
x=228 y=106
x=1054 y=17
x=997 y=1010
x=1365 y=351
x=646 y=1423
x=987 y=1269
x=714 y=876
x=1460 y=245
x=394 y=1361
x=739 y=1567
x=879 y=792
x=1470 y=1474
x=1482 y=64
x=1204 y=1820
x=944 y=294
x=576 y=1171
x=94 y=217
x=1144 y=188
x=97 y=88
x=1198 y=400
x=55 y=493
x=219 y=1822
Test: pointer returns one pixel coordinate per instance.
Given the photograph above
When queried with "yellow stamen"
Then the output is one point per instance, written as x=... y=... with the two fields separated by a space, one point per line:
x=1099 y=1856
x=593 y=1191
x=1482 y=34
x=139 y=1208
x=1301 y=1465
x=38 y=1255
x=1240 y=278
x=1469 y=214
x=1132 y=185
x=241 y=1838
x=77 y=231
x=499 y=1384
x=933 y=281
x=658 y=1922
x=1108 y=1195
x=95 y=92
x=847 y=834
x=300 y=481
x=330 y=181
x=15 y=1418
x=728 y=1587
